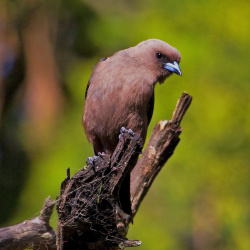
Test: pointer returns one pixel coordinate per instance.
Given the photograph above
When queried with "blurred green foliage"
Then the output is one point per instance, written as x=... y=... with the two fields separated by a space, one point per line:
x=201 y=199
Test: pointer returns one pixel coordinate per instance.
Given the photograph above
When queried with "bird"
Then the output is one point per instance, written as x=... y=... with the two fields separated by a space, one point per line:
x=120 y=96
x=120 y=92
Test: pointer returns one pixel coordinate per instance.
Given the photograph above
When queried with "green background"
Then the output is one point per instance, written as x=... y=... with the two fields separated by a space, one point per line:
x=201 y=198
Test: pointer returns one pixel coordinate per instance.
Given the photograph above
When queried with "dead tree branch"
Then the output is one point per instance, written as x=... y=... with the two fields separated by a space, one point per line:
x=94 y=205
x=162 y=143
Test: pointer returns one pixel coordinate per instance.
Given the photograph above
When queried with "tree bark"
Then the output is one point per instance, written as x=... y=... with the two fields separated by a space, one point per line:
x=161 y=146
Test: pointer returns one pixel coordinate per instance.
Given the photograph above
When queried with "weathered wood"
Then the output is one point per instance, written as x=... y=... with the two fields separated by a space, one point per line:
x=91 y=206
x=161 y=145
x=35 y=233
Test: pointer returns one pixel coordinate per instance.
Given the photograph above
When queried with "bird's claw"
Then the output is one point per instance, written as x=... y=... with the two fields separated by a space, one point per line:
x=131 y=132
x=100 y=154
x=91 y=160
x=123 y=130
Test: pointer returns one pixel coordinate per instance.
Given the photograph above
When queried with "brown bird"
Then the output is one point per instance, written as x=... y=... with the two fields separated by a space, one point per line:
x=120 y=91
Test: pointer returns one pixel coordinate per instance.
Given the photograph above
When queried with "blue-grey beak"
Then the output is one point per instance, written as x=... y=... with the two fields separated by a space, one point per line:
x=173 y=67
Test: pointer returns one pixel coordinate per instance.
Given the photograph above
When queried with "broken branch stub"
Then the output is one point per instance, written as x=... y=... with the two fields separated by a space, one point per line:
x=161 y=145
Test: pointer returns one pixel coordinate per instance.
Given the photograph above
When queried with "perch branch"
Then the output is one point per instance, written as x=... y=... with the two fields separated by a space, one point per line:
x=92 y=204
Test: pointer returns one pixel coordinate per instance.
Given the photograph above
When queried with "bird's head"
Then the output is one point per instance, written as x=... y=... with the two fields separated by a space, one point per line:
x=158 y=57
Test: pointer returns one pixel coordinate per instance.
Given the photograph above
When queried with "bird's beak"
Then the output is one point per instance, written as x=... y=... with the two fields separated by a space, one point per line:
x=173 y=67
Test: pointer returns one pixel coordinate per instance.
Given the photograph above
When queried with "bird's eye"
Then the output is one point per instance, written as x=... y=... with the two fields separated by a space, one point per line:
x=159 y=55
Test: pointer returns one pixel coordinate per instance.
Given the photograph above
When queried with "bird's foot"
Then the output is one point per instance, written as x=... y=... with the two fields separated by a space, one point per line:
x=91 y=161
x=123 y=130
x=97 y=161
x=131 y=134
x=101 y=154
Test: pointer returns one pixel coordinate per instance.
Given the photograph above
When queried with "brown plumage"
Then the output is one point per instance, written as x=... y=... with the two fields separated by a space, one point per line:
x=120 y=92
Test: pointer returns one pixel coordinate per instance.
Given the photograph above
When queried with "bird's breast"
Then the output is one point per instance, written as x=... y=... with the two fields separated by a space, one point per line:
x=118 y=96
